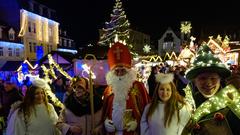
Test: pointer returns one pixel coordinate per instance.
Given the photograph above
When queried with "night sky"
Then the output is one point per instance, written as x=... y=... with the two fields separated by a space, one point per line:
x=83 y=18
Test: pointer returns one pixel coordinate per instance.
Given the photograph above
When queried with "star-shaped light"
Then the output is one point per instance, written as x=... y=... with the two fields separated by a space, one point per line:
x=146 y=48
x=186 y=27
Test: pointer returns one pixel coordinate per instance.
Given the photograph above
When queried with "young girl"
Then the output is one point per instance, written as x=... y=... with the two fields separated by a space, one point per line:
x=168 y=113
x=34 y=116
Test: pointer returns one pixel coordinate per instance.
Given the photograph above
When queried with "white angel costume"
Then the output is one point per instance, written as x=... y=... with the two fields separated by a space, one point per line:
x=39 y=123
x=155 y=124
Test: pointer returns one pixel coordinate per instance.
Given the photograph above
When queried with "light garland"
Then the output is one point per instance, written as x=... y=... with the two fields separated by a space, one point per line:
x=51 y=61
x=46 y=74
x=24 y=21
x=173 y=54
x=216 y=44
x=189 y=97
x=51 y=71
x=42 y=26
x=228 y=96
x=29 y=64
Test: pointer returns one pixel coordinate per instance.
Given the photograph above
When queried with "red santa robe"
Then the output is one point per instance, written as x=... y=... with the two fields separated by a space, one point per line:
x=137 y=99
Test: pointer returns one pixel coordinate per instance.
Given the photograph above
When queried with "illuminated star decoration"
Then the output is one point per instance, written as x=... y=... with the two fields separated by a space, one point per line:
x=146 y=48
x=186 y=27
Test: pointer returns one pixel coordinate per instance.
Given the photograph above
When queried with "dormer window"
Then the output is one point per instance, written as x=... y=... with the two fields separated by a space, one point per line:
x=31 y=6
x=11 y=34
x=40 y=10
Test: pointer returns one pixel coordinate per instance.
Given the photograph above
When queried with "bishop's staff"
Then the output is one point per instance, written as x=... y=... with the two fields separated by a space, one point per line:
x=91 y=87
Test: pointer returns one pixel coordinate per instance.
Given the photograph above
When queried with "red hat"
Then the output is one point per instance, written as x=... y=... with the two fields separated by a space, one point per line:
x=119 y=55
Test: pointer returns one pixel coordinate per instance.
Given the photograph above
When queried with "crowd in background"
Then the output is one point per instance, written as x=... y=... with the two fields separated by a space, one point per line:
x=160 y=110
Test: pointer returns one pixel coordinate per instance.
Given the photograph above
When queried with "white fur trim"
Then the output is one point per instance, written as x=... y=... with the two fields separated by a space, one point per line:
x=164 y=78
x=41 y=83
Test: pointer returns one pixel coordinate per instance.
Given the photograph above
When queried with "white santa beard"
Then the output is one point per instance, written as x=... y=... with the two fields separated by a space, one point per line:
x=120 y=87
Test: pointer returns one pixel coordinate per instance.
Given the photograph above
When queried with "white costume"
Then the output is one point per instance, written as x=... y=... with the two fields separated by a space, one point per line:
x=40 y=123
x=155 y=124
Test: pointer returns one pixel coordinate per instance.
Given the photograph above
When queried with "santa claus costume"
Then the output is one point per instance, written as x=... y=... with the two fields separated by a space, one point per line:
x=124 y=98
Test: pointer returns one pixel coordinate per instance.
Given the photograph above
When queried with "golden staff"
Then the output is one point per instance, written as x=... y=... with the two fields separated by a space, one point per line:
x=91 y=87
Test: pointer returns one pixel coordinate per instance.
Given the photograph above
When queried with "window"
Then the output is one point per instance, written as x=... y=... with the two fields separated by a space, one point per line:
x=30 y=47
x=9 y=51
x=40 y=10
x=11 y=34
x=69 y=43
x=31 y=6
x=1 y=51
x=65 y=42
x=168 y=46
x=34 y=27
x=50 y=48
x=49 y=13
x=17 y=52
x=34 y=47
x=50 y=33
x=29 y=27
x=60 y=41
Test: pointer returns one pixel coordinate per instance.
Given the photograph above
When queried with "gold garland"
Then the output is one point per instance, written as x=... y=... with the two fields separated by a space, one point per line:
x=51 y=61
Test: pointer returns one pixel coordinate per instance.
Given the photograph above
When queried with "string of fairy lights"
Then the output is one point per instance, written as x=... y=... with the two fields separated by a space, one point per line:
x=226 y=97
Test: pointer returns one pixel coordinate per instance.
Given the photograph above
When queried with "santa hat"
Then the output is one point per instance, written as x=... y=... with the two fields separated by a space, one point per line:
x=119 y=55
x=164 y=78
x=205 y=61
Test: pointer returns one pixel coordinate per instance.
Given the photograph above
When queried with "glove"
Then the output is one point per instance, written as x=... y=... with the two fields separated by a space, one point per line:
x=109 y=125
x=131 y=126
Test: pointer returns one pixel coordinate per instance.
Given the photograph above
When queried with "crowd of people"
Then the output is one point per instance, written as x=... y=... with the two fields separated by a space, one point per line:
x=124 y=106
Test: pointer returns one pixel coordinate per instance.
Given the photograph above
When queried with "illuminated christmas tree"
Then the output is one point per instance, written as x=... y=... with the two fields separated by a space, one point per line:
x=118 y=25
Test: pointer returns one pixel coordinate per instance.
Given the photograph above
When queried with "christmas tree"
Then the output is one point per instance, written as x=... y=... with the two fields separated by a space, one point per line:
x=118 y=25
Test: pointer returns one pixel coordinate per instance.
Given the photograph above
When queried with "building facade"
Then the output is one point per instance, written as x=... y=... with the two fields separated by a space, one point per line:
x=36 y=25
x=139 y=40
x=11 y=47
x=168 y=43
x=66 y=44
